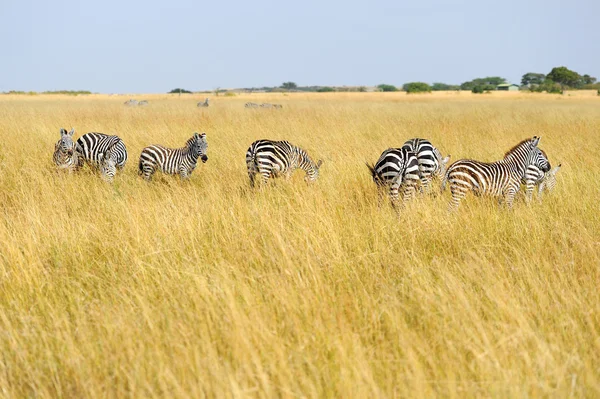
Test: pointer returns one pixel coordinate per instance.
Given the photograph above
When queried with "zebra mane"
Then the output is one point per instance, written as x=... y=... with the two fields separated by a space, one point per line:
x=509 y=152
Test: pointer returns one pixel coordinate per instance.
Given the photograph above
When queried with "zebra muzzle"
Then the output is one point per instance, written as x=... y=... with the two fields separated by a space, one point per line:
x=204 y=158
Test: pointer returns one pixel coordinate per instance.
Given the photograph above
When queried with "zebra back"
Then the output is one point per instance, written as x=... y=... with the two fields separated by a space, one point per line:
x=431 y=162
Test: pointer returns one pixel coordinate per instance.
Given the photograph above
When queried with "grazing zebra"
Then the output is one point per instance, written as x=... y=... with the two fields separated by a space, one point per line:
x=65 y=154
x=101 y=150
x=279 y=158
x=267 y=105
x=501 y=178
x=251 y=105
x=534 y=176
x=395 y=168
x=172 y=161
x=431 y=163
x=131 y=102
x=203 y=104
x=143 y=102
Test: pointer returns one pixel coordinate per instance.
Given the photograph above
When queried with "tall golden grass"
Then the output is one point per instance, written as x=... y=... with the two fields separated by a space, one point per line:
x=206 y=288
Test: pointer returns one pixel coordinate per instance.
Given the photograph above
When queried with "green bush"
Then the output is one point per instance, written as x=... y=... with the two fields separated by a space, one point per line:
x=229 y=94
x=477 y=89
x=325 y=89
x=386 y=87
x=416 y=87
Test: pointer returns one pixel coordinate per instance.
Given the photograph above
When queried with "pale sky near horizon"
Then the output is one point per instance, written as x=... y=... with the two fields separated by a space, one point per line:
x=154 y=46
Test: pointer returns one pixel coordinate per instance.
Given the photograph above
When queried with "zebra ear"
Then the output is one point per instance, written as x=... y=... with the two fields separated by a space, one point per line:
x=536 y=140
x=556 y=169
x=72 y=132
x=446 y=160
x=319 y=163
x=63 y=131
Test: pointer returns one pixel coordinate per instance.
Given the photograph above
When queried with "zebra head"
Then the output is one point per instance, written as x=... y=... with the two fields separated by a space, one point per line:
x=550 y=178
x=312 y=173
x=199 y=146
x=108 y=165
x=66 y=144
x=442 y=166
x=538 y=157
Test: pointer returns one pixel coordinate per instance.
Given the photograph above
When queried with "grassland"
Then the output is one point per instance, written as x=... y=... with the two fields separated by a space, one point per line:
x=205 y=288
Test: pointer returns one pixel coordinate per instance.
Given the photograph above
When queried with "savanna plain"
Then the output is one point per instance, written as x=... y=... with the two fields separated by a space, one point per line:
x=206 y=288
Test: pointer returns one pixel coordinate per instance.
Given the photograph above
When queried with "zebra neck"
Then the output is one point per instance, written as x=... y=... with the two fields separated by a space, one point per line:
x=190 y=155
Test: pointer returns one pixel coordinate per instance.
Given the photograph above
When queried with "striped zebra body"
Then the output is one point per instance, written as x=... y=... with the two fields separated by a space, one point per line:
x=273 y=159
x=203 y=104
x=65 y=154
x=545 y=181
x=93 y=147
x=396 y=168
x=181 y=161
x=131 y=102
x=143 y=102
x=251 y=105
x=431 y=163
x=501 y=178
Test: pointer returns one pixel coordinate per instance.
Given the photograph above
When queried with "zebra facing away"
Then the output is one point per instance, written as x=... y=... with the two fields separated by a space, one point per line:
x=396 y=168
x=501 y=178
x=203 y=104
x=279 y=158
x=101 y=151
x=534 y=176
x=65 y=154
x=431 y=163
x=173 y=161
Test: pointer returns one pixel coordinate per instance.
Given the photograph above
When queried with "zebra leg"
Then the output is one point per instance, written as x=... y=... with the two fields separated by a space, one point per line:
x=529 y=186
x=251 y=175
x=394 y=189
x=409 y=191
x=458 y=193
x=509 y=196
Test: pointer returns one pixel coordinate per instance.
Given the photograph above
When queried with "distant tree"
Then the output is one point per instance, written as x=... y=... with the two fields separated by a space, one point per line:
x=477 y=89
x=547 y=86
x=178 y=90
x=532 y=78
x=487 y=83
x=386 y=87
x=325 y=89
x=437 y=86
x=362 y=89
x=588 y=80
x=564 y=76
x=289 y=86
x=416 y=87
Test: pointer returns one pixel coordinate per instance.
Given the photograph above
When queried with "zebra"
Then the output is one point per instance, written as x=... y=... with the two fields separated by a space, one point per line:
x=180 y=161
x=534 y=176
x=251 y=105
x=66 y=156
x=131 y=102
x=143 y=102
x=203 y=104
x=268 y=105
x=395 y=168
x=501 y=178
x=101 y=151
x=279 y=158
x=431 y=163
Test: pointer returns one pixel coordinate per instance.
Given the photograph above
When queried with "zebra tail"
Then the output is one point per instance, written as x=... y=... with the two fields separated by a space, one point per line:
x=444 y=180
x=140 y=168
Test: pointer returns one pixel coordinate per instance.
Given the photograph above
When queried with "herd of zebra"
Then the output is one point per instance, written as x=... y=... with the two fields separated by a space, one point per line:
x=408 y=169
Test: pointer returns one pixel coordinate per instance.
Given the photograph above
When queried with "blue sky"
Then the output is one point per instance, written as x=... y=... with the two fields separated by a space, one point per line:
x=153 y=46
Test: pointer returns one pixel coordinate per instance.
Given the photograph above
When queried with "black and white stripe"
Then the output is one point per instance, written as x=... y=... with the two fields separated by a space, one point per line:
x=65 y=154
x=431 y=163
x=545 y=181
x=279 y=158
x=396 y=168
x=501 y=178
x=203 y=104
x=93 y=147
x=181 y=161
x=251 y=105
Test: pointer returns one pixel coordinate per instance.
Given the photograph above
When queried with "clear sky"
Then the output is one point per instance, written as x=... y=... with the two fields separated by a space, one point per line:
x=148 y=46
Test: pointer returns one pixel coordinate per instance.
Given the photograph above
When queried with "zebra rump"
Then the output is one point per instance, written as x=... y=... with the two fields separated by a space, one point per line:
x=431 y=163
x=396 y=168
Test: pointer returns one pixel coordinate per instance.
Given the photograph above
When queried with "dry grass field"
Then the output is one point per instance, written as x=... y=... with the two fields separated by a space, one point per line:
x=205 y=288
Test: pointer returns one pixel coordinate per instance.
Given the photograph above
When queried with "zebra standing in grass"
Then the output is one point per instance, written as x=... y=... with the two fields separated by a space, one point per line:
x=396 y=168
x=143 y=102
x=279 y=158
x=65 y=154
x=172 y=161
x=203 y=104
x=501 y=178
x=104 y=152
x=251 y=105
x=534 y=176
x=431 y=163
x=131 y=102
